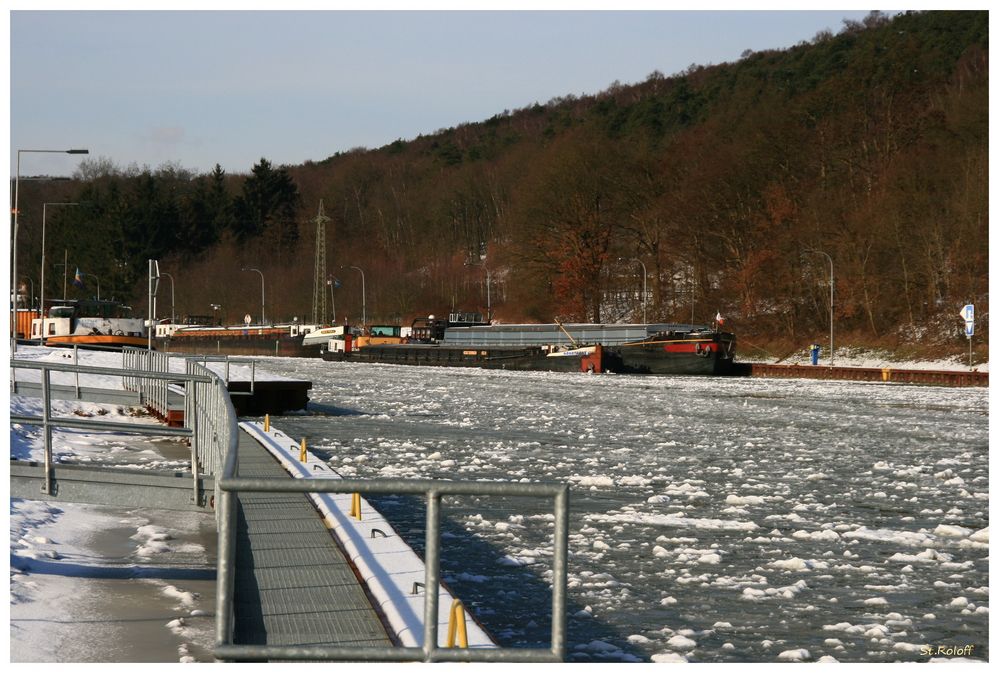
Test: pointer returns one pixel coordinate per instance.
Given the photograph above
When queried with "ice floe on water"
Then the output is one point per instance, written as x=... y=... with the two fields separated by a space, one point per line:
x=777 y=508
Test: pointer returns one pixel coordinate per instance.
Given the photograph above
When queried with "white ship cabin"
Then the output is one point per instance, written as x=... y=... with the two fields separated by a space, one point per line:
x=88 y=318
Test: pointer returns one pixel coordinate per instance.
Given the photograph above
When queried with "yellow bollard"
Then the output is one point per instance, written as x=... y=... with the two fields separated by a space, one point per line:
x=267 y=422
x=885 y=374
x=302 y=456
x=355 y=506
x=456 y=625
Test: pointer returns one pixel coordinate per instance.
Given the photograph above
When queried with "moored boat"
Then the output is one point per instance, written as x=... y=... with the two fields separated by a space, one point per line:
x=280 y=340
x=658 y=348
x=90 y=323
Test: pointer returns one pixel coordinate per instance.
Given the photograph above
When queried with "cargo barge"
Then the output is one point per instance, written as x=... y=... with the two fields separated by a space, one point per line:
x=280 y=340
x=657 y=348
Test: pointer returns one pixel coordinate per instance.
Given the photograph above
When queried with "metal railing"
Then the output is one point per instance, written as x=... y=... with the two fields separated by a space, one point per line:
x=205 y=359
x=230 y=484
x=209 y=419
x=152 y=391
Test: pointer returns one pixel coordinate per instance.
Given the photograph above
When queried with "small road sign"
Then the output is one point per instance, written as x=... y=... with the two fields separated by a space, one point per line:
x=968 y=313
x=969 y=329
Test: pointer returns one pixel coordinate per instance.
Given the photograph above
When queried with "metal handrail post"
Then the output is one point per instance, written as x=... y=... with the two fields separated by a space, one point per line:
x=47 y=428
x=195 y=439
x=76 y=362
x=431 y=571
x=560 y=571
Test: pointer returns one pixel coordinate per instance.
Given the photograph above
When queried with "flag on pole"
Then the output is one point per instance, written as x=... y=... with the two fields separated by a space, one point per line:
x=719 y=319
x=78 y=278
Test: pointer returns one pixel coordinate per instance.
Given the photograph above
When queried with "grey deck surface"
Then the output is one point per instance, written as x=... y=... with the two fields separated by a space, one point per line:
x=293 y=585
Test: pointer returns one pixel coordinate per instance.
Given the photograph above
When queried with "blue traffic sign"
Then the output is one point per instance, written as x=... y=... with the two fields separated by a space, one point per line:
x=968 y=313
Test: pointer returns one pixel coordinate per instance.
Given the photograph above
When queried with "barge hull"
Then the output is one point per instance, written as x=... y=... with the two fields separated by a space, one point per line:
x=237 y=344
x=517 y=359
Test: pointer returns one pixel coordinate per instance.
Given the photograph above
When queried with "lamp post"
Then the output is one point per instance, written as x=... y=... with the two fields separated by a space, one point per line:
x=42 y=300
x=13 y=263
x=364 y=310
x=263 y=321
x=489 y=298
x=645 y=289
x=173 y=315
x=832 y=353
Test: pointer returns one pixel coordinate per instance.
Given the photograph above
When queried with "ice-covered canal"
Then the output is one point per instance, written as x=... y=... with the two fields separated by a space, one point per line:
x=712 y=519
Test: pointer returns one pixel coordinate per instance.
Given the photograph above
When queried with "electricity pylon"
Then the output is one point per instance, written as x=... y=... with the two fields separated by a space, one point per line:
x=318 y=287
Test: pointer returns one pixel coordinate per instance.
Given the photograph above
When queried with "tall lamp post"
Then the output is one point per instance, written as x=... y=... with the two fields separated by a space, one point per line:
x=173 y=315
x=13 y=263
x=364 y=309
x=645 y=290
x=263 y=321
x=832 y=353
x=42 y=300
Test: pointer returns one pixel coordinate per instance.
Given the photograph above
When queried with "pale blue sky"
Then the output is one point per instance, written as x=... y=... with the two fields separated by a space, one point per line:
x=198 y=88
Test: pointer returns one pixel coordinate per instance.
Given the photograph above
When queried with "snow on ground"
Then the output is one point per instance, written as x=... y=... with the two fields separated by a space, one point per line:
x=857 y=357
x=98 y=584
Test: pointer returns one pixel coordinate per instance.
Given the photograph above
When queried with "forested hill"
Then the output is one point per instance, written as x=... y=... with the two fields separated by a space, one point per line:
x=734 y=185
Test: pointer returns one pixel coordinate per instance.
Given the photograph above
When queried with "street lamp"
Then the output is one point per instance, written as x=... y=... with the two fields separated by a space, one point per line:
x=173 y=315
x=364 y=310
x=13 y=263
x=262 y=320
x=489 y=298
x=215 y=310
x=832 y=353
x=42 y=300
x=645 y=289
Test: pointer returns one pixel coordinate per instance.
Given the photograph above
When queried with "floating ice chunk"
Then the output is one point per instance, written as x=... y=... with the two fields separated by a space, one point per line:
x=980 y=535
x=669 y=658
x=959 y=602
x=875 y=601
x=669 y=600
x=744 y=500
x=944 y=530
x=658 y=499
x=711 y=559
x=800 y=654
x=798 y=564
x=600 y=545
x=638 y=639
x=675 y=520
x=903 y=537
x=819 y=535
x=681 y=643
